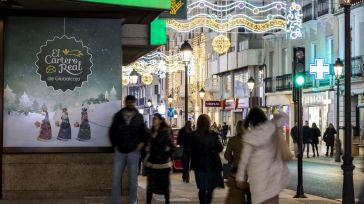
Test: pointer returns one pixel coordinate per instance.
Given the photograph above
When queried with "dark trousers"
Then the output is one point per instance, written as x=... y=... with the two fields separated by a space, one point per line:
x=308 y=148
x=205 y=197
x=186 y=166
x=331 y=152
x=315 y=149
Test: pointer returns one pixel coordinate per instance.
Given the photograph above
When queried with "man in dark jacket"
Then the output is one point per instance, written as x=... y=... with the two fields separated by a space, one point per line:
x=306 y=138
x=128 y=135
x=294 y=135
x=184 y=138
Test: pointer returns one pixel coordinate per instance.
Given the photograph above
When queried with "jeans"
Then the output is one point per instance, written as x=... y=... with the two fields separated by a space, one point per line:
x=186 y=165
x=308 y=148
x=122 y=160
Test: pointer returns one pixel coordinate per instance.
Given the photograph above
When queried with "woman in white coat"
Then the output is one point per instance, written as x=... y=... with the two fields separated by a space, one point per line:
x=268 y=174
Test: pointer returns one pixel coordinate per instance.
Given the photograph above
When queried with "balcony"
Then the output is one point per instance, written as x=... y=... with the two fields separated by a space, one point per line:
x=212 y=85
x=268 y=83
x=357 y=66
x=308 y=12
x=309 y=80
x=250 y=57
x=284 y=82
x=322 y=7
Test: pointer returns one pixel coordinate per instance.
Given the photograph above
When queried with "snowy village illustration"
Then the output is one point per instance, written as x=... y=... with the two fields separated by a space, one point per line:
x=83 y=124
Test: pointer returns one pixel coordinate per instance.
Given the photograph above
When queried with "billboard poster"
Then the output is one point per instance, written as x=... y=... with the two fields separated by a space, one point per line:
x=61 y=81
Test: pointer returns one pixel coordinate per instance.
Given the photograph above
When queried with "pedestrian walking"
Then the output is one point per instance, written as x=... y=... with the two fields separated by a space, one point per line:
x=205 y=159
x=225 y=130
x=361 y=193
x=184 y=140
x=128 y=135
x=307 y=138
x=315 y=134
x=294 y=135
x=329 y=138
x=261 y=158
x=232 y=155
x=158 y=158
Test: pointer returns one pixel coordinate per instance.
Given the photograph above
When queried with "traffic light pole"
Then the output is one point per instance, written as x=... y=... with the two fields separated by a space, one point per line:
x=298 y=107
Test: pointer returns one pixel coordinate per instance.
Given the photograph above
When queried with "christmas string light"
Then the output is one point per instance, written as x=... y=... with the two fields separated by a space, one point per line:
x=230 y=17
x=199 y=22
x=279 y=5
x=294 y=21
x=221 y=44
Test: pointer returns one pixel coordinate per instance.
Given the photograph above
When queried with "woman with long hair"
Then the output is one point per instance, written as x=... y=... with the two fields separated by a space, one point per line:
x=260 y=159
x=315 y=134
x=329 y=138
x=205 y=159
x=232 y=155
x=158 y=158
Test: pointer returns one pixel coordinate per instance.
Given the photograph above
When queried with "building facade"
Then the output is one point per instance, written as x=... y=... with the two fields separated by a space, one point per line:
x=323 y=38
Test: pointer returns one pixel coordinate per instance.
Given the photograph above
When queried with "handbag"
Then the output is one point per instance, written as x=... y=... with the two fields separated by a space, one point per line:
x=227 y=170
x=282 y=147
x=178 y=154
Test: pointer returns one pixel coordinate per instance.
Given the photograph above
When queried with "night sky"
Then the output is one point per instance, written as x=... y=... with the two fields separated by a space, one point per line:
x=25 y=35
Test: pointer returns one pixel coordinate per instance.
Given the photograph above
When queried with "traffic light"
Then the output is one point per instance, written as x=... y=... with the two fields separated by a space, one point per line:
x=299 y=80
x=299 y=74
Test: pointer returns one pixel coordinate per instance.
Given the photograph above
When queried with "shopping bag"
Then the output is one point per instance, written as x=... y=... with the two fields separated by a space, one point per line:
x=283 y=150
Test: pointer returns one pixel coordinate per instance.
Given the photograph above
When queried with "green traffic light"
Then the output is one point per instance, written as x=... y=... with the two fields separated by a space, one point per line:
x=299 y=80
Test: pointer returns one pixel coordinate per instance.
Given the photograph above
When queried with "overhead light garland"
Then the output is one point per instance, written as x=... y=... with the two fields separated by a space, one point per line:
x=221 y=44
x=294 y=21
x=200 y=22
x=147 y=79
x=256 y=19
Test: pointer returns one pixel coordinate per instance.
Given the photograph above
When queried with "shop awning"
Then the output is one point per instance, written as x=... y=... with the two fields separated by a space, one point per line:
x=138 y=14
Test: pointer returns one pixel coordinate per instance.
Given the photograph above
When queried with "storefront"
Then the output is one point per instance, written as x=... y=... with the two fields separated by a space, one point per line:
x=54 y=59
x=226 y=113
x=213 y=110
x=316 y=109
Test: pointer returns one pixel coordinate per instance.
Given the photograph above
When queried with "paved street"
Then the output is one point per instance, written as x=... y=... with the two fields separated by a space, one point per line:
x=323 y=179
x=183 y=193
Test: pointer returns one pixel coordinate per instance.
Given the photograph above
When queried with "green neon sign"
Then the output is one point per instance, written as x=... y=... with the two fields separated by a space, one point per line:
x=158 y=32
x=154 y=4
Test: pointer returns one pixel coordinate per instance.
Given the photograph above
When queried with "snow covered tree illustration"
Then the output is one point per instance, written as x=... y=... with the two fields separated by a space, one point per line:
x=107 y=95
x=9 y=99
x=35 y=106
x=25 y=104
x=112 y=94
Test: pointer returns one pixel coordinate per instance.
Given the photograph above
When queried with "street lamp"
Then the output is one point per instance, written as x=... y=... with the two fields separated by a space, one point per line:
x=134 y=77
x=348 y=167
x=202 y=95
x=149 y=103
x=251 y=84
x=170 y=99
x=186 y=52
x=338 y=69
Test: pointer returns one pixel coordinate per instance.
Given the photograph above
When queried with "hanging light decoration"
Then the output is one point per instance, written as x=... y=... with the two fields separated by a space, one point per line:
x=221 y=44
x=147 y=79
x=125 y=80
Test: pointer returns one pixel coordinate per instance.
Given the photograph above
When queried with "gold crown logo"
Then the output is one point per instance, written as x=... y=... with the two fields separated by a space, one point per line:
x=175 y=6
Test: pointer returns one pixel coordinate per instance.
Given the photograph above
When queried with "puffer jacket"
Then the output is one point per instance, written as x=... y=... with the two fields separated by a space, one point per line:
x=160 y=149
x=267 y=173
x=127 y=137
